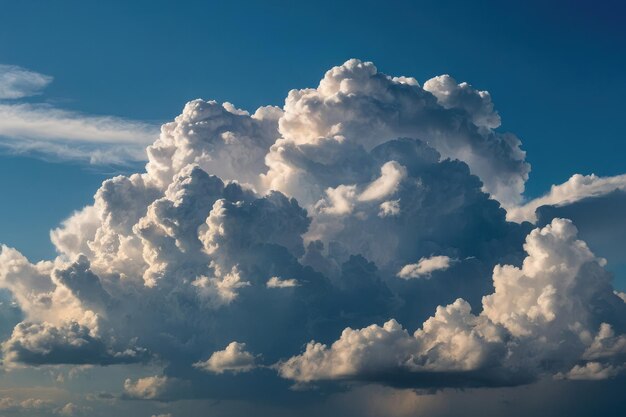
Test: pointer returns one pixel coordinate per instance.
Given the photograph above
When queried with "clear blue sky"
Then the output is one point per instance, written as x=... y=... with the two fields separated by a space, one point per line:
x=555 y=70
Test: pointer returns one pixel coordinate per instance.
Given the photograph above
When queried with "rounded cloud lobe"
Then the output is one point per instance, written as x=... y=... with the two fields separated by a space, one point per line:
x=270 y=231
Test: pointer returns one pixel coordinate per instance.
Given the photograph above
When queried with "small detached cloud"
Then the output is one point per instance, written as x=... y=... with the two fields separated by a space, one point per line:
x=71 y=409
x=17 y=82
x=275 y=282
x=234 y=358
x=157 y=387
x=425 y=267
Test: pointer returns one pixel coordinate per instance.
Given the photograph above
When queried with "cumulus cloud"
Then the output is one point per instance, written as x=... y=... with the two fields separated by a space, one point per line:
x=28 y=404
x=351 y=184
x=540 y=319
x=17 y=82
x=275 y=282
x=72 y=343
x=475 y=103
x=71 y=409
x=151 y=387
x=425 y=267
x=234 y=358
x=356 y=105
x=591 y=371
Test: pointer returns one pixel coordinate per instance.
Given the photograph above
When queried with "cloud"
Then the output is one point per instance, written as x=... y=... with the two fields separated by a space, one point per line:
x=591 y=371
x=391 y=174
x=32 y=404
x=476 y=103
x=38 y=128
x=157 y=387
x=332 y=195
x=425 y=267
x=275 y=282
x=577 y=188
x=540 y=319
x=355 y=104
x=17 y=82
x=45 y=130
x=234 y=358
x=219 y=138
x=72 y=343
x=71 y=409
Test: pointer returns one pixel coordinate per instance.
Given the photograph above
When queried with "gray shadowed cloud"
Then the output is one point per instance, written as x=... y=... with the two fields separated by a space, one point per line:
x=262 y=251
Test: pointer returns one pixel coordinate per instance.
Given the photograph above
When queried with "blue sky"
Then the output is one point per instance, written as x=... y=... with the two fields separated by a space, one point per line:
x=251 y=236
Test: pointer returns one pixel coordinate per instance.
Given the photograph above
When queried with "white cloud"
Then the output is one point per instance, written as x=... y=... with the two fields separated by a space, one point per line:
x=357 y=106
x=234 y=358
x=71 y=135
x=476 y=103
x=275 y=282
x=149 y=388
x=17 y=82
x=425 y=267
x=221 y=289
x=578 y=187
x=591 y=371
x=542 y=311
x=169 y=261
x=389 y=208
x=391 y=173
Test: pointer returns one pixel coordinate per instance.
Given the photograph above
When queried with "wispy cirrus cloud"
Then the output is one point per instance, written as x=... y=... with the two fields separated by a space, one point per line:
x=54 y=132
x=17 y=82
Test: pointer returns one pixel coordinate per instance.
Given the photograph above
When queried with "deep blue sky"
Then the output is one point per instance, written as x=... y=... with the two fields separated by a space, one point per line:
x=555 y=70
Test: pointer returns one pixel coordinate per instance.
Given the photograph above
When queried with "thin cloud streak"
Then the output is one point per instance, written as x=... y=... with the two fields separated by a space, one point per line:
x=28 y=128
x=17 y=82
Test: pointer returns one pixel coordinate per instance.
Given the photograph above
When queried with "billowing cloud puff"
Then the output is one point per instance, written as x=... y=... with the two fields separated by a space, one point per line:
x=234 y=358
x=220 y=138
x=476 y=103
x=595 y=204
x=71 y=343
x=148 y=388
x=546 y=317
x=275 y=282
x=283 y=227
x=425 y=267
x=356 y=106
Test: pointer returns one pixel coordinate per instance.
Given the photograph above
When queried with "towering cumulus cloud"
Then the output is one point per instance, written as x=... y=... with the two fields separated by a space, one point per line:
x=369 y=211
